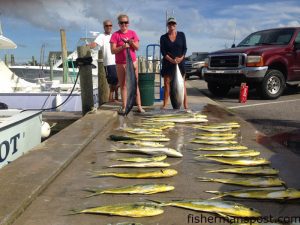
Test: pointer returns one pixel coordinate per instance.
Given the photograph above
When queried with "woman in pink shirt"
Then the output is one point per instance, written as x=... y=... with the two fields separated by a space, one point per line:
x=118 y=47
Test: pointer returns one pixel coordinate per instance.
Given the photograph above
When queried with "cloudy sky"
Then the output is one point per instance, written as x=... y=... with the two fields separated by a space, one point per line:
x=208 y=25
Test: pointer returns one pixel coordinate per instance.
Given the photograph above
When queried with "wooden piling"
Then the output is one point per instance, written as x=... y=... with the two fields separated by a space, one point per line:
x=86 y=80
x=64 y=55
x=12 y=60
x=103 y=89
x=6 y=61
x=51 y=67
x=33 y=61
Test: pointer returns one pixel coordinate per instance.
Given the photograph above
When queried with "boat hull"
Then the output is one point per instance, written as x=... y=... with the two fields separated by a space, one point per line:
x=20 y=132
x=45 y=100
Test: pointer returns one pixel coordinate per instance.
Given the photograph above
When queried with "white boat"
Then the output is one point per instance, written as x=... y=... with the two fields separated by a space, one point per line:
x=18 y=93
x=31 y=73
x=20 y=132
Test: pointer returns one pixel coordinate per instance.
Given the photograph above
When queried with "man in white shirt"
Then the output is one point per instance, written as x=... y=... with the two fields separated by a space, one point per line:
x=108 y=59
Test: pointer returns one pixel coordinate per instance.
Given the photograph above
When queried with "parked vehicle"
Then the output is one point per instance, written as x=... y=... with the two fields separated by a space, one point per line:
x=195 y=63
x=268 y=60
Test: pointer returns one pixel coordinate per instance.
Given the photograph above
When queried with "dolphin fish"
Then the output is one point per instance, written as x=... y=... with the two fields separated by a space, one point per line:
x=131 y=83
x=177 y=89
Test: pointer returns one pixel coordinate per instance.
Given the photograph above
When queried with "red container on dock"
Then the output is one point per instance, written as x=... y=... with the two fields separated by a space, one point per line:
x=243 y=93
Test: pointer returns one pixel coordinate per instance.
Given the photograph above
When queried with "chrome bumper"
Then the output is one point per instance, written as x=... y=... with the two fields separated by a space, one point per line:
x=249 y=72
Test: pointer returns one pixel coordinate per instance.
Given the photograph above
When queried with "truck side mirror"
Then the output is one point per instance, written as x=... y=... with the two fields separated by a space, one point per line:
x=296 y=46
x=233 y=46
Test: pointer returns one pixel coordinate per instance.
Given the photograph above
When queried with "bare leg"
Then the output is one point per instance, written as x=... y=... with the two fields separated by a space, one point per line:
x=167 y=80
x=116 y=92
x=121 y=72
x=138 y=95
x=111 y=92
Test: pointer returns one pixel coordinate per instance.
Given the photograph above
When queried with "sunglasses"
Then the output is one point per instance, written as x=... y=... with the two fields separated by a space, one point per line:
x=123 y=22
x=171 y=23
x=108 y=25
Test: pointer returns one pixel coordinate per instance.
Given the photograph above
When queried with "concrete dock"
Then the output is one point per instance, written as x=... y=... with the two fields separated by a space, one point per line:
x=42 y=186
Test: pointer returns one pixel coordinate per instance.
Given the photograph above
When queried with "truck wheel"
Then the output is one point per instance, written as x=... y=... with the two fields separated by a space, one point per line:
x=219 y=90
x=273 y=84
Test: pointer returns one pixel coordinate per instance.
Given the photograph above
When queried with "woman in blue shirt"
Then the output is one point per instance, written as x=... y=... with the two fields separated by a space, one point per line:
x=173 y=48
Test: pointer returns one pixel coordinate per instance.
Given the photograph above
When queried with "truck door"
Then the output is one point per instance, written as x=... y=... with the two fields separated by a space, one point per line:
x=296 y=67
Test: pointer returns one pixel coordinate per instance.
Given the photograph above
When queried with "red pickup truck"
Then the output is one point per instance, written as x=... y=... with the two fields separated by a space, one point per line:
x=268 y=60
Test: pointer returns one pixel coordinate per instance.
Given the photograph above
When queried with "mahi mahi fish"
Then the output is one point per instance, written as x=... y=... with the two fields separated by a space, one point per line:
x=245 y=153
x=273 y=194
x=249 y=182
x=147 y=122
x=146 y=135
x=222 y=148
x=138 y=138
x=214 y=129
x=178 y=114
x=174 y=116
x=177 y=89
x=146 y=189
x=223 y=208
x=252 y=170
x=138 y=209
x=159 y=126
x=140 y=165
x=221 y=125
x=216 y=138
x=156 y=158
x=240 y=161
x=135 y=130
x=150 y=151
x=146 y=174
x=213 y=142
x=131 y=83
x=216 y=134
x=182 y=120
x=143 y=143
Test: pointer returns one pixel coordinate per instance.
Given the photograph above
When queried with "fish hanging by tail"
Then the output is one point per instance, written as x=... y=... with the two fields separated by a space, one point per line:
x=131 y=83
x=177 y=89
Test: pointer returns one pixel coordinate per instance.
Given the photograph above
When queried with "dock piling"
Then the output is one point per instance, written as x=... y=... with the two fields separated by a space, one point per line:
x=64 y=55
x=86 y=79
x=51 y=67
x=12 y=60
x=102 y=82
x=33 y=61
x=6 y=60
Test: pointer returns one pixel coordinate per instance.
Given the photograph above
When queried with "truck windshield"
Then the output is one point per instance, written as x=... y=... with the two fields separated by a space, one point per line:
x=199 y=57
x=268 y=37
